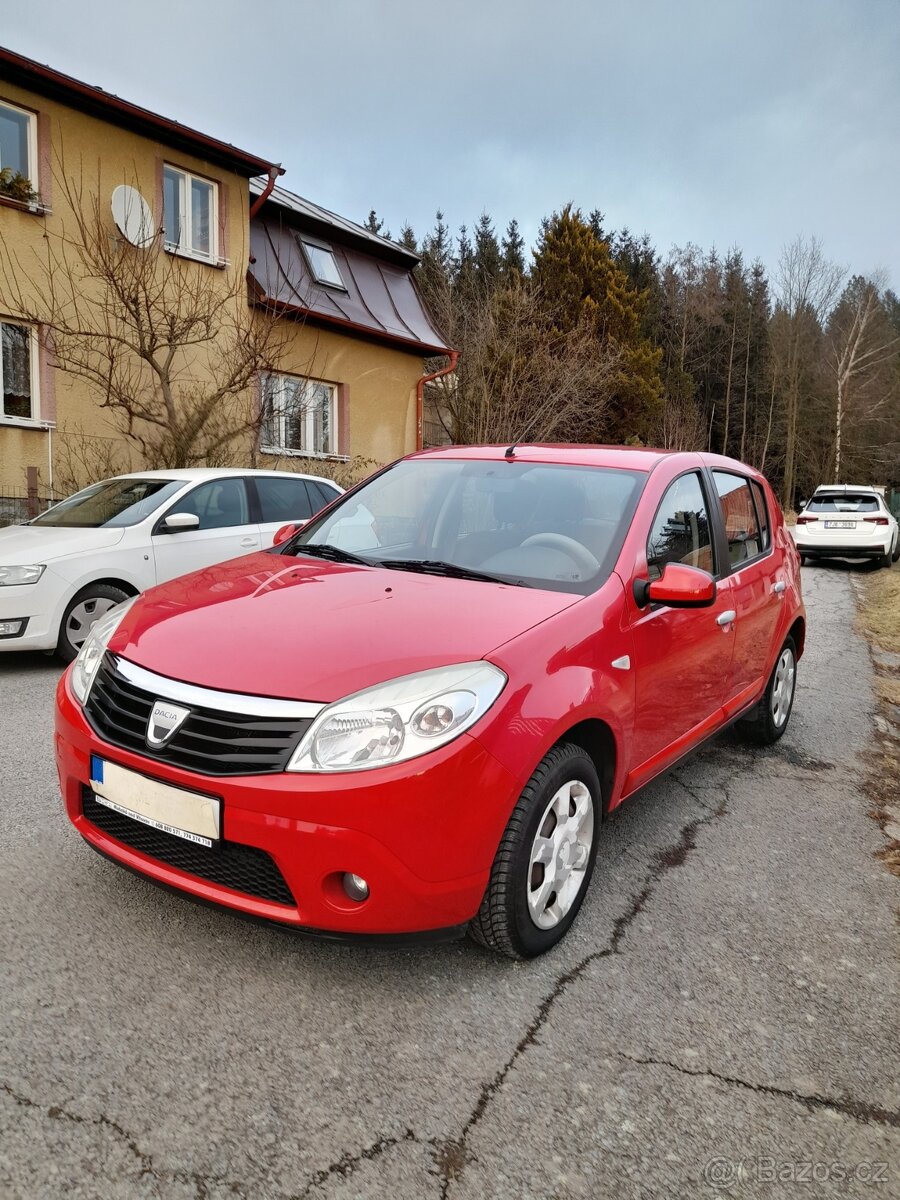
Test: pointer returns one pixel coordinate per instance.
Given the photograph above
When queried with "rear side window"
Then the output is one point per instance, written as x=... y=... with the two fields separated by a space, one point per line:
x=284 y=500
x=762 y=513
x=320 y=494
x=739 y=512
x=848 y=503
x=680 y=531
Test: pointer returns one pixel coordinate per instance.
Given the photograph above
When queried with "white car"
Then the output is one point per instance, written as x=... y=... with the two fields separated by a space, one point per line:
x=842 y=521
x=62 y=571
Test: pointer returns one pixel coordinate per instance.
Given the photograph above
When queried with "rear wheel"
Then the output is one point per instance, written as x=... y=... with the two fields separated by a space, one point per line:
x=896 y=553
x=91 y=603
x=885 y=560
x=545 y=859
x=769 y=719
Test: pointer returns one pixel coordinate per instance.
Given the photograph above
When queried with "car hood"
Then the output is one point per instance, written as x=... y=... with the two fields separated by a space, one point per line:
x=294 y=628
x=21 y=544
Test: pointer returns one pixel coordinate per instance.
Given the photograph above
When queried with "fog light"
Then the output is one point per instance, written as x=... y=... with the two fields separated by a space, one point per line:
x=11 y=628
x=355 y=887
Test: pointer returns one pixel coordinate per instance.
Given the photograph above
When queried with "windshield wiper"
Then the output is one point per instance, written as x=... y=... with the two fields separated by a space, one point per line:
x=434 y=566
x=334 y=554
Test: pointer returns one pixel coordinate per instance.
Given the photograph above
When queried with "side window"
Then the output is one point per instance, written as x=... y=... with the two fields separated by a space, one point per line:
x=741 y=526
x=763 y=513
x=284 y=499
x=220 y=504
x=680 y=531
x=321 y=494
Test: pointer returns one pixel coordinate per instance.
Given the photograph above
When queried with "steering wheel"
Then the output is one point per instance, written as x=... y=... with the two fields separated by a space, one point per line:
x=579 y=554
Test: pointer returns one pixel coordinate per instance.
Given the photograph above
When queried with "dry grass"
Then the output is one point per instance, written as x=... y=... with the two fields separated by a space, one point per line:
x=881 y=609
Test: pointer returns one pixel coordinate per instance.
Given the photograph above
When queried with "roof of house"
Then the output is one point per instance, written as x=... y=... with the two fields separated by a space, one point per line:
x=316 y=219
x=28 y=73
x=379 y=298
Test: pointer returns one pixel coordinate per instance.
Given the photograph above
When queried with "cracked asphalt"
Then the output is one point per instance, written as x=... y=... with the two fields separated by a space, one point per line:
x=728 y=996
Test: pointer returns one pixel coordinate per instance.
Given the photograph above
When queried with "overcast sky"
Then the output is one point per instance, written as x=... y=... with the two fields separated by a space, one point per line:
x=713 y=121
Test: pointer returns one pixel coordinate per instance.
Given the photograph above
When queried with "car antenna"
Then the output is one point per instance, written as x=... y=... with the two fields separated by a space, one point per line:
x=510 y=450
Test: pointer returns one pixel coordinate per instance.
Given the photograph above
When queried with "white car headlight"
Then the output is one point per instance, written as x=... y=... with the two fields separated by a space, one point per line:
x=86 y=665
x=400 y=719
x=11 y=576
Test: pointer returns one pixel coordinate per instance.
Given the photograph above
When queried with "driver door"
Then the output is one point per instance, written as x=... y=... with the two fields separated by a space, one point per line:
x=682 y=656
x=225 y=529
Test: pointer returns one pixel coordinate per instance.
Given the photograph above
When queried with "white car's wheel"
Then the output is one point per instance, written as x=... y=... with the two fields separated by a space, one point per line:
x=91 y=603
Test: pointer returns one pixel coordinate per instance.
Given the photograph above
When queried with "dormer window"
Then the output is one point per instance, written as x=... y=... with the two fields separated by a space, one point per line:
x=322 y=263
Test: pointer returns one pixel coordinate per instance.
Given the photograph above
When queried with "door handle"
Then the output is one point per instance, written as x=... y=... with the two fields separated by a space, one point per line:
x=779 y=587
x=726 y=618
x=248 y=541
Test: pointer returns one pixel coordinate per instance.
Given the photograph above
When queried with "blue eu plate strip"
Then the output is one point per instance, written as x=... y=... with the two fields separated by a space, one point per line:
x=96 y=769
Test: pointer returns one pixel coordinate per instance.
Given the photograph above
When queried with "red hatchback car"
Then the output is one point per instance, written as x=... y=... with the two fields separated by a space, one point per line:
x=414 y=715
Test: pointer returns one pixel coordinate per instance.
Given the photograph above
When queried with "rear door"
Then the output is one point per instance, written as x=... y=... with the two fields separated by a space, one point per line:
x=225 y=530
x=682 y=656
x=756 y=588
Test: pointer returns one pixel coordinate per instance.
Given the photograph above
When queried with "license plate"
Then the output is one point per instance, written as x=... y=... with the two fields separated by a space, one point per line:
x=189 y=815
x=840 y=524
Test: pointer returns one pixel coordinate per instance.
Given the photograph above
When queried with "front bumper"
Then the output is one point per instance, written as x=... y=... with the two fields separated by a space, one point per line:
x=423 y=834
x=37 y=604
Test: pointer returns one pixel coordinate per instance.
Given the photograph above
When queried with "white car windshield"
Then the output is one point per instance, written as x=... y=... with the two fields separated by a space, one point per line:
x=112 y=503
x=542 y=525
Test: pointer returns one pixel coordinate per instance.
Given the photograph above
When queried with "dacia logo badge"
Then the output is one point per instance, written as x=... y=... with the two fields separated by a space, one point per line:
x=164 y=722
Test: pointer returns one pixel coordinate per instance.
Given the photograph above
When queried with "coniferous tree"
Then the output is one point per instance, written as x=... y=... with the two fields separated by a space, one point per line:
x=513 y=250
x=375 y=225
x=487 y=260
x=408 y=238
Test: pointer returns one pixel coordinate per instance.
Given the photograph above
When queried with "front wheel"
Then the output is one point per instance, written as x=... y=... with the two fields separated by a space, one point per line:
x=545 y=859
x=769 y=719
x=91 y=603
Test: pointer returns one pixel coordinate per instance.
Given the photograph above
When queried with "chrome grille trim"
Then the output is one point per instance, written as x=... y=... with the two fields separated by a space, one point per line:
x=232 y=702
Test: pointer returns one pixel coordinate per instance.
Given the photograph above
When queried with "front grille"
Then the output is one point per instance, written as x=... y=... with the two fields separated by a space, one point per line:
x=242 y=868
x=210 y=742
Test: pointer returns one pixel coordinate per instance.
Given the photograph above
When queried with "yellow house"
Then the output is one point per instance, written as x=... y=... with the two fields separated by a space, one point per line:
x=353 y=332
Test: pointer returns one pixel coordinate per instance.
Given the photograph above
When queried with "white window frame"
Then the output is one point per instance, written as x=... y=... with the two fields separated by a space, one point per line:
x=277 y=382
x=184 y=246
x=33 y=366
x=33 y=162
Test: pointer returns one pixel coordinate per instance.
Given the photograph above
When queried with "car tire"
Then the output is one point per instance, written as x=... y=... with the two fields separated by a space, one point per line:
x=89 y=605
x=885 y=560
x=766 y=723
x=896 y=553
x=565 y=782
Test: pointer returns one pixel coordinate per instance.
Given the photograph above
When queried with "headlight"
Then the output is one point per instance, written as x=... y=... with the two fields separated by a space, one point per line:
x=398 y=720
x=10 y=576
x=85 y=666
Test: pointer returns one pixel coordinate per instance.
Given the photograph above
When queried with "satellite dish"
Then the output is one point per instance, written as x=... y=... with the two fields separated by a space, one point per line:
x=132 y=216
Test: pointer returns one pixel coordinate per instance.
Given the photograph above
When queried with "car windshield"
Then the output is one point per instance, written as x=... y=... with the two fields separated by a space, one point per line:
x=843 y=504
x=110 y=504
x=541 y=525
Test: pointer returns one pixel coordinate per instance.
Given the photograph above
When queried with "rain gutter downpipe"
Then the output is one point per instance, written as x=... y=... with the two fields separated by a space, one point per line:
x=453 y=359
x=275 y=170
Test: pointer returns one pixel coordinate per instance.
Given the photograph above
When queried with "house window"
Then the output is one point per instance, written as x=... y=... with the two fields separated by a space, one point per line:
x=18 y=369
x=190 y=214
x=18 y=145
x=322 y=263
x=299 y=416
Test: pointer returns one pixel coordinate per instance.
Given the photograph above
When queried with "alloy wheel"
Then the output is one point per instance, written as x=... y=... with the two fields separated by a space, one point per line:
x=783 y=687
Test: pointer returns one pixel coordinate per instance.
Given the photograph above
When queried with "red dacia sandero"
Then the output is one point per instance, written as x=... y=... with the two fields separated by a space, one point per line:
x=414 y=715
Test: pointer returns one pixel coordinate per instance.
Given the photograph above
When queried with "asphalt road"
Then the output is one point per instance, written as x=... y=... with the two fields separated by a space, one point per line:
x=727 y=997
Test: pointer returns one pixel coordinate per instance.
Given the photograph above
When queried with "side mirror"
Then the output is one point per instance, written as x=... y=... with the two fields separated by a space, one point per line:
x=180 y=522
x=286 y=532
x=679 y=586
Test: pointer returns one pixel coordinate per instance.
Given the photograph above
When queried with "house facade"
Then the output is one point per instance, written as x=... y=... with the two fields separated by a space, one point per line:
x=353 y=332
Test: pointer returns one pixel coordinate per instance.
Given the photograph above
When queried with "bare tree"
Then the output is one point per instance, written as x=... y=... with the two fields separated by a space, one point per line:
x=807 y=286
x=170 y=347
x=520 y=379
x=861 y=341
